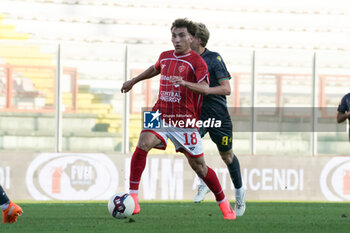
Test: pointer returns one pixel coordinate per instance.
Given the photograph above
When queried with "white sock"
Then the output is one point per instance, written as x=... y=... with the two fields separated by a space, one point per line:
x=134 y=191
x=5 y=206
x=223 y=200
x=239 y=191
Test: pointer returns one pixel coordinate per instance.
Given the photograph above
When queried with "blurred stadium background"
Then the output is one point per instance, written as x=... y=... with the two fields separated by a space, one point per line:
x=280 y=55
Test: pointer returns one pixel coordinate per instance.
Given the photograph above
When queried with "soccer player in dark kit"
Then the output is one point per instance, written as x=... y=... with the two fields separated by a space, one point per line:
x=344 y=110
x=10 y=211
x=215 y=106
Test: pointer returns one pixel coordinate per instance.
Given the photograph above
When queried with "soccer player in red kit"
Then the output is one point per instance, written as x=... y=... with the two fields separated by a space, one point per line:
x=184 y=77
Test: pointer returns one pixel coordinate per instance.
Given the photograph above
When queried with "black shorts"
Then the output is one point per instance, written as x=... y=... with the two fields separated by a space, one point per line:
x=222 y=136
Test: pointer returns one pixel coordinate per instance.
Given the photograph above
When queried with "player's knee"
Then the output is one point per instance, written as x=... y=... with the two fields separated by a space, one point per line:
x=144 y=145
x=147 y=141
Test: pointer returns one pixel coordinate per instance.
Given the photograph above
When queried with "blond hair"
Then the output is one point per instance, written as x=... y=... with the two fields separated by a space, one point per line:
x=202 y=33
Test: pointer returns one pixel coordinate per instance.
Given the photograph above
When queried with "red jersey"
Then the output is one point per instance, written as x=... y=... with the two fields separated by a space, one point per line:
x=177 y=103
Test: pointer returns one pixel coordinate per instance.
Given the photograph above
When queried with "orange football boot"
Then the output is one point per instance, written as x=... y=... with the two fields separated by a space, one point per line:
x=227 y=210
x=136 y=201
x=11 y=213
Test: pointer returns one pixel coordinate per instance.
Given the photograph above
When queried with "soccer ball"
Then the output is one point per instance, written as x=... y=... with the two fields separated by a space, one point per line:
x=121 y=205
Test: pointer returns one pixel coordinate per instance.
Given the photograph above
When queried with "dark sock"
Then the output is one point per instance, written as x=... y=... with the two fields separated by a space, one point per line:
x=235 y=172
x=3 y=197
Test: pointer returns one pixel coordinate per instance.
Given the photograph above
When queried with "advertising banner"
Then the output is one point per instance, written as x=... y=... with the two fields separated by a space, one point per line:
x=89 y=176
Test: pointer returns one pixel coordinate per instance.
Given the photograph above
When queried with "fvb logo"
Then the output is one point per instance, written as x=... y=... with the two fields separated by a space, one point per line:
x=335 y=179
x=81 y=173
x=68 y=176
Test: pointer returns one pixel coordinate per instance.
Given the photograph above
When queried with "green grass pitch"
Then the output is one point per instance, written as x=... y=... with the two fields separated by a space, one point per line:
x=85 y=217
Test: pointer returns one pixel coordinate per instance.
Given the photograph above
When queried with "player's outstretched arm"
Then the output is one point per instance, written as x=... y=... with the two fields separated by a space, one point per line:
x=223 y=89
x=149 y=73
x=341 y=117
x=201 y=88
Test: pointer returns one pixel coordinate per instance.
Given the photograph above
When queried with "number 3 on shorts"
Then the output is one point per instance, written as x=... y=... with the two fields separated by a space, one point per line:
x=192 y=137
